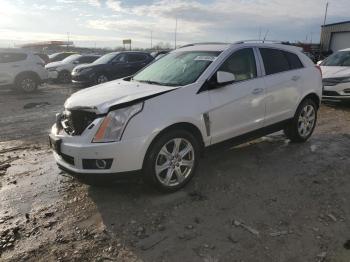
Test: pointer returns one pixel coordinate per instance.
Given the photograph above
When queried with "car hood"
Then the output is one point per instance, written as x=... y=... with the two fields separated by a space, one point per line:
x=101 y=98
x=54 y=64
x=335 y=71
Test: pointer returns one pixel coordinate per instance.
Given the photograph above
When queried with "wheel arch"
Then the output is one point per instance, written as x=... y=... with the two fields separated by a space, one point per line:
x=193 y=129
x=314 y=97
x=28 y=73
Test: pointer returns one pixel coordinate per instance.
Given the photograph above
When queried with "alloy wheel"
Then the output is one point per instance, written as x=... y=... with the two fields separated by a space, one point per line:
x=175 y=162
x=101 y=79
x=28 y=85
x=306 y=121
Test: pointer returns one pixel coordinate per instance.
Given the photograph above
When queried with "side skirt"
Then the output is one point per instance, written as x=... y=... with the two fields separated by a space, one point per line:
x=241 y=139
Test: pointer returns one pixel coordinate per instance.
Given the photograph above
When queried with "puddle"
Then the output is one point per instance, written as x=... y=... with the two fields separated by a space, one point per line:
x=32 y=181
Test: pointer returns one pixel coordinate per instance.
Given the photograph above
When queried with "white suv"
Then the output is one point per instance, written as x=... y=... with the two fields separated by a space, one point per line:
x=21 y=69
x=201 y=95
x=61 y=70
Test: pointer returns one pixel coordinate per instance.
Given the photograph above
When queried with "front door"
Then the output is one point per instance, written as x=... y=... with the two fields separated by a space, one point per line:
x=239 y=107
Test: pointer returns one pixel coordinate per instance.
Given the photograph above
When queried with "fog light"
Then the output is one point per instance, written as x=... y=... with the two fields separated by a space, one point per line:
x=97 y=163
x=101 y=163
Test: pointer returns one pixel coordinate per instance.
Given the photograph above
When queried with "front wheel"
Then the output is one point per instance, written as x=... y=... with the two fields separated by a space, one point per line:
x=172 y=160
x=304 y=122
x=101 y=78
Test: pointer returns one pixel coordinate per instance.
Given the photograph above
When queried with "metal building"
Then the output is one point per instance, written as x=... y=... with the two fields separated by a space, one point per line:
x=335 y=36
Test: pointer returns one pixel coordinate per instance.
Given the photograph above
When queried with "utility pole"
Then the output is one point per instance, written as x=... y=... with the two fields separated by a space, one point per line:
x=325 y=14
x=175 y=32
x=324 y=23
x=151 y=39
x=68 y=33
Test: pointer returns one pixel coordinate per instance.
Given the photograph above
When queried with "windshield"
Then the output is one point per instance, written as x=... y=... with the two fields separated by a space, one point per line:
x=71 y=58
x=177 y=69
x=341 y=58
x=105 y=58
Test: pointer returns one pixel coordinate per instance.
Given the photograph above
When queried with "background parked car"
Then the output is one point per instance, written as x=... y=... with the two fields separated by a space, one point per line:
x=159 y=54
x=336 y=76
x=60 y=56
x=111 y=66
x=21 y=69
x=61 y=70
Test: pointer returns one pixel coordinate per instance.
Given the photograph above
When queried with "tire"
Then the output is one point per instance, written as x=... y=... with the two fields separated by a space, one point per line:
x=175 y=169
x=64 y=77
x=26 y=83
x=101 y=78
x=304 y=122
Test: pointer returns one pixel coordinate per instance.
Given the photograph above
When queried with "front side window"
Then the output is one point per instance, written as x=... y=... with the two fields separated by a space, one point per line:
x=105 y=58
x=241 y=64
x=136 y=58
x=177 y=68
x=341 y=58
x=12 y=57
x=122 y=58
x=274 y=61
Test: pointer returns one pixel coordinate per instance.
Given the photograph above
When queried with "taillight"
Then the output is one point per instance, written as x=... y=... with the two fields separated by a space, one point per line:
x=319 y=68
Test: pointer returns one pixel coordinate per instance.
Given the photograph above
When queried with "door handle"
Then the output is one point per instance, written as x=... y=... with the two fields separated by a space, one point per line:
x=257 y=91
x=295 y=78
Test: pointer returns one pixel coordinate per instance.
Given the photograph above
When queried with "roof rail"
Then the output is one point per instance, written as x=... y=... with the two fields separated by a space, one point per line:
x=259 y=41
x=204 y=43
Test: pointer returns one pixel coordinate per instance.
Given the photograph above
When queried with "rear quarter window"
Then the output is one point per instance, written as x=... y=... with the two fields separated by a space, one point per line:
x=274 y=61
x=12 y=57
x=293 y=60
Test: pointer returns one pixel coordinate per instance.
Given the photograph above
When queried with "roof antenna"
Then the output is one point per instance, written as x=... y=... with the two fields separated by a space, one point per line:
x=266 y=35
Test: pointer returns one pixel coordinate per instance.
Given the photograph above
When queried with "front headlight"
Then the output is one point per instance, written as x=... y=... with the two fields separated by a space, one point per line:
x=113 y=126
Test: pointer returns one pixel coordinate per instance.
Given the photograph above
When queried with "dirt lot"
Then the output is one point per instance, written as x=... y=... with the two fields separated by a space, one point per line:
x=267 y=200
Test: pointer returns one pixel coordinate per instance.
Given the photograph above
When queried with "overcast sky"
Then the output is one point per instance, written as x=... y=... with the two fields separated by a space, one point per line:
x=105 y=23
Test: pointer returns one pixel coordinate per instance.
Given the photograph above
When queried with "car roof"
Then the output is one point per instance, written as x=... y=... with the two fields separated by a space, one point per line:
x=219 y=47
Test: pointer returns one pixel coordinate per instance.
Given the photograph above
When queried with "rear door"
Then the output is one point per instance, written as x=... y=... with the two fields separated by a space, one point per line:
x=282 y=79
x=239 y=107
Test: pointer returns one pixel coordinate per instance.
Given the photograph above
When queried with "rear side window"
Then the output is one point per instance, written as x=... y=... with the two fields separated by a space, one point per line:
x=274 y=61
x=136 y=57
x=12 y=57
x=293 y=60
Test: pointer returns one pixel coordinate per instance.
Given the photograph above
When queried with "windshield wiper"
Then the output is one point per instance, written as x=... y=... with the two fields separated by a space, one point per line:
x=155 y=83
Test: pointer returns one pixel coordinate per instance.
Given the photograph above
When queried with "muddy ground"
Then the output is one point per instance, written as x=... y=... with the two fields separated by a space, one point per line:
x=267 y=200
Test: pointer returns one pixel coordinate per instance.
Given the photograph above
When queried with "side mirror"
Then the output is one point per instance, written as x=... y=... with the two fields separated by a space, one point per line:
x=225 y=77
x=319 y=62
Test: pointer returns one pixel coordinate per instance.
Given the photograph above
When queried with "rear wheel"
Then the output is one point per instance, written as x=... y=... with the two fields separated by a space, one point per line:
x=172 y=160
x=304 y=122
x=26 y=83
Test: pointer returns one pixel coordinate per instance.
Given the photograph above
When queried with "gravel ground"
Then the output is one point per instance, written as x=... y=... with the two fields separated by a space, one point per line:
x=267 y=200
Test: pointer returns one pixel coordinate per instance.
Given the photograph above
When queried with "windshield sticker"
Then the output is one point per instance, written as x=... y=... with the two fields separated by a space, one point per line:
x=205 y=58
